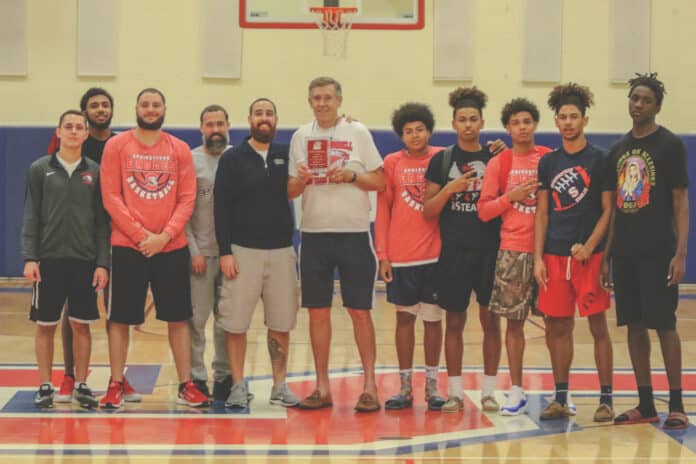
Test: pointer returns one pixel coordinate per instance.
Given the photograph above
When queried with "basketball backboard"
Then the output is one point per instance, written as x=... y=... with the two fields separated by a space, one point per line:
x=296 y=14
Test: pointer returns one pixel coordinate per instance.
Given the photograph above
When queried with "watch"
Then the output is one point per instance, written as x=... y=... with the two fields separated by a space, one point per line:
x=355 y=176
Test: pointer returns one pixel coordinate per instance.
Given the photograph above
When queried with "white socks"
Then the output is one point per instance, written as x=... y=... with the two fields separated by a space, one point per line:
x=488 y=386
x=455 y=386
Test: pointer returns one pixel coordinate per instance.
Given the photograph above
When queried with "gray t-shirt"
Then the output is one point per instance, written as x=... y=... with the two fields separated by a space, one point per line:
x=200 y=230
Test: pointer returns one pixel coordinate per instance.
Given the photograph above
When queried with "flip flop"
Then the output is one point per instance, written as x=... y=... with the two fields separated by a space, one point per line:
x=633 y=416
x=676 y=420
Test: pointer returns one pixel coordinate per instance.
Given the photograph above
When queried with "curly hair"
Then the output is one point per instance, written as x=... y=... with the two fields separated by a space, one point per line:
x=467 y=97
x=517 y=105
x=650 y=81
x=412 y=112
x=571 y=94
x=93 y=92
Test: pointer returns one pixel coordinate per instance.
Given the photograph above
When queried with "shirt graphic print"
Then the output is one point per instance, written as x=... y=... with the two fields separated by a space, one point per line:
x=635 y=178
x=151 y=177
x=466 y=201
x=569 y=187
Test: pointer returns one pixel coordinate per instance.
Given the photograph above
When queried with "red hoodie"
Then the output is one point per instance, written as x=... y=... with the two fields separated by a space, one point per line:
x=149 y=188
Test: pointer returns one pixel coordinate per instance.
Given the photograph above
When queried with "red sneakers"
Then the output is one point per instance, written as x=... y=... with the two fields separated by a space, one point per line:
x=65 y=393
x=190 y=395
x=129 y=393
x=113 y=397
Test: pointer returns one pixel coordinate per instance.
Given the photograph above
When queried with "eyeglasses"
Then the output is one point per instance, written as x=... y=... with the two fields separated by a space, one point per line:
x=74 y=127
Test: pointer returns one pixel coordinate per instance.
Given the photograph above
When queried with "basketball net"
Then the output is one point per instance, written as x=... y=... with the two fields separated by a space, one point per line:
x=334 y=29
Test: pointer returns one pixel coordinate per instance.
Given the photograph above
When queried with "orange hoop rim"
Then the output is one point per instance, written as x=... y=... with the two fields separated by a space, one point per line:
x=331 y=15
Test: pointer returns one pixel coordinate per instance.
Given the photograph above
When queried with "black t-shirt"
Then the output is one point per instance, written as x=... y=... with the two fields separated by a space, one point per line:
x=576 y=182
x=459 y=221
x=644 y=172
x=93 y=148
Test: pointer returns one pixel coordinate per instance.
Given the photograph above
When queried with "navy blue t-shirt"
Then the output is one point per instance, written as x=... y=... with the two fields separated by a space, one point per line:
x=459 y=221
x=575 y=183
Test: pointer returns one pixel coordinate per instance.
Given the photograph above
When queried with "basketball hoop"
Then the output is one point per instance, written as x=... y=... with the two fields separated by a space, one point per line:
x=334 y=28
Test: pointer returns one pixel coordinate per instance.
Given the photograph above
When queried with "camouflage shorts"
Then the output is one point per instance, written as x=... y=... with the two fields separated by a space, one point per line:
x=514 y=289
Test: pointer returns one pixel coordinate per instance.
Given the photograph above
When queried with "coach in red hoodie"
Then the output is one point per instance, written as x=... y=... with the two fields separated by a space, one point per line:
x=149 y=190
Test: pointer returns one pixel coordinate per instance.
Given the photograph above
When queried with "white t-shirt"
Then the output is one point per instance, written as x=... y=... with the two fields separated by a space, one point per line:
x=69 y=167
x=336 y=207
x=263 y=154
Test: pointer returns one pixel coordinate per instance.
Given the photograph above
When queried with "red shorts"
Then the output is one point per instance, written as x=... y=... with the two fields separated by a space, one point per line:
x=568 y=286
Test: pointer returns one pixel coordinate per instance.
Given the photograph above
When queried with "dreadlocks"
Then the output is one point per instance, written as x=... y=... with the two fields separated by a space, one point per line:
x=650 y=81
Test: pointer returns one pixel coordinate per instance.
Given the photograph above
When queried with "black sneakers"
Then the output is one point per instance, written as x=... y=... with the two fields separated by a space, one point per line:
x=44 y=396
x=83 y=396
x=221 y=390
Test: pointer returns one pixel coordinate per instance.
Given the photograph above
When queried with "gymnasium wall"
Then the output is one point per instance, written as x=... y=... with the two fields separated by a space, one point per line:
x=159 y=44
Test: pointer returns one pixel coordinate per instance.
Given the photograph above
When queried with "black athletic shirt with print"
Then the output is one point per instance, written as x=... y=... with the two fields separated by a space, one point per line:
x=644 y=171
x=575 y=183
x=459 y=221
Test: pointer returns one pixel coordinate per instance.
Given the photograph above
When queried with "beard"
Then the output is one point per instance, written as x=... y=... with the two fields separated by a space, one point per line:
x=263 y=136
x=99 y=125
x=154 y=125
x=216 y=143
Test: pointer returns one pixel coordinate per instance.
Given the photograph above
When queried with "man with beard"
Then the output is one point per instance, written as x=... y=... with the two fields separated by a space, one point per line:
x=98 y=105
x=149 y=190
x=205 y=259
x=254 y=229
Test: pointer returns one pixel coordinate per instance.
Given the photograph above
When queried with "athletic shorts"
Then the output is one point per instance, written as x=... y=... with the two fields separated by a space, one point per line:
x=461 y=271
x=168 y=277
x=352 y=254
x=514 y=288
x=266 y=275
x=573 y=282
x=411 y=285
x=61 y=280
x=642 y=294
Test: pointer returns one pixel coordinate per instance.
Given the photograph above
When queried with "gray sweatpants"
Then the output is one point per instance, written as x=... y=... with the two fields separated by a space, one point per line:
x=205 y=292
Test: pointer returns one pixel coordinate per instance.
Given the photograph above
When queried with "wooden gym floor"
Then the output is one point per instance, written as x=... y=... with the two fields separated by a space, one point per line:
x=157 y=430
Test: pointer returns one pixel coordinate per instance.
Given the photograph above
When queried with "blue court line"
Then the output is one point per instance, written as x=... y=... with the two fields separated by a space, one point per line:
x=15 y=290
x=536 y=404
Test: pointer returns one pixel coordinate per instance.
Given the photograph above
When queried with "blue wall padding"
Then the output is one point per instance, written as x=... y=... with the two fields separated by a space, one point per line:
x=20 y=146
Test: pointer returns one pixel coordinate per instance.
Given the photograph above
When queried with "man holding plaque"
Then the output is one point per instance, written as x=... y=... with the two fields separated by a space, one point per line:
x=335 y=163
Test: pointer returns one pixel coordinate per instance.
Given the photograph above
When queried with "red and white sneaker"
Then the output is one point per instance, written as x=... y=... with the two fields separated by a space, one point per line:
x=190 y=395
x=65 y=393
x=129 y=393
x=113 y=397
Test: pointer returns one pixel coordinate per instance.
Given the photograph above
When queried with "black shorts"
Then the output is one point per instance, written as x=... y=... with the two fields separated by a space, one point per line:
x=168 y=276
x=642 y=294
x=411 y=285
x=61 y=280
x=461 y=271
x=350 y=253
